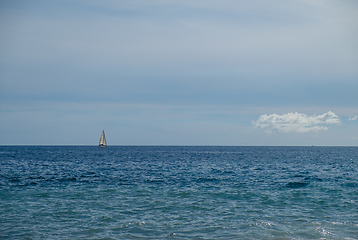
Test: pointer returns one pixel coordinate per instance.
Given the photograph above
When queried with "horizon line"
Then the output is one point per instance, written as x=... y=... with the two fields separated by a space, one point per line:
x=88 y=145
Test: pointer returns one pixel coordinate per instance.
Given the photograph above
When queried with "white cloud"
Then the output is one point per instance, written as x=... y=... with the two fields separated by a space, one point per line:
x=353 y=118
x=295 y=122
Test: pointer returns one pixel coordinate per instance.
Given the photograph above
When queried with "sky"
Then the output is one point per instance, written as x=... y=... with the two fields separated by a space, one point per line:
x=174 y=72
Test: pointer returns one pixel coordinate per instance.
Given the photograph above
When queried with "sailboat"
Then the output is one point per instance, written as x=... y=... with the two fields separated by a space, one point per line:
x=102 y=141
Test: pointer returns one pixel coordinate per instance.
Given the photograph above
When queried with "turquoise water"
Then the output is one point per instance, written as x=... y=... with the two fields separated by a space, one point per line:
x=178 y=192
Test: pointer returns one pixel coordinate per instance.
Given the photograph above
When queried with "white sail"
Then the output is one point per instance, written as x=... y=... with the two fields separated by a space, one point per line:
x=102 y=140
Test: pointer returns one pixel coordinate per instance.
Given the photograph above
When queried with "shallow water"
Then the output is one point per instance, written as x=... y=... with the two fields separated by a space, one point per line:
x=178 y=192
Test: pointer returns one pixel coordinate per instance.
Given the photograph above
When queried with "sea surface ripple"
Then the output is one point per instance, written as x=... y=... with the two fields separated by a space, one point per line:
x=139 y=192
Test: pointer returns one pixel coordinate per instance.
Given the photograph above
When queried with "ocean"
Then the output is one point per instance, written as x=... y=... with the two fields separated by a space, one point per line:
x=161 y=192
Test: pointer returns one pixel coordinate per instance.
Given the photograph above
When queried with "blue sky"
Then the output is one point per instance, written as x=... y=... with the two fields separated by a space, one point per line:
x=174 y=72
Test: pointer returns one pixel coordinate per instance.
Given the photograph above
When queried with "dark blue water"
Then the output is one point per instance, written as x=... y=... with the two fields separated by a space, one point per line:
x=178 y=192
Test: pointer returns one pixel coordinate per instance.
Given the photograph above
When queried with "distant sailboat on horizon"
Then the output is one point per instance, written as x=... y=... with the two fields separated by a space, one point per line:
x=102 y=141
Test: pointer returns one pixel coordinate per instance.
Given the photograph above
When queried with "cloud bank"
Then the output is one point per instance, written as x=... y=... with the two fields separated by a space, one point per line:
x=295 y=122
x=353 y=118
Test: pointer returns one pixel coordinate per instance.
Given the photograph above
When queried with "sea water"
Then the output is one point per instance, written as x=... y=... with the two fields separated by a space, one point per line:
x=85 y=192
